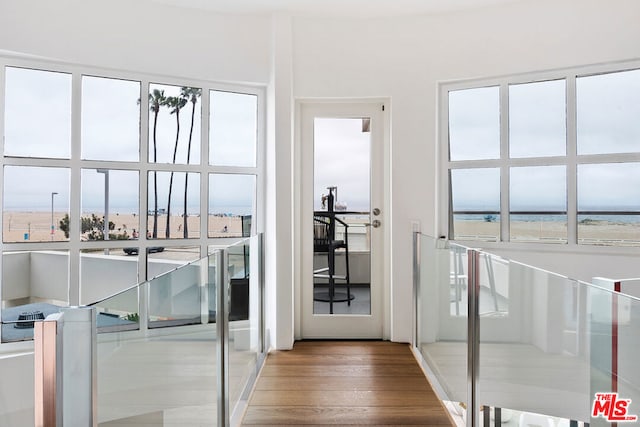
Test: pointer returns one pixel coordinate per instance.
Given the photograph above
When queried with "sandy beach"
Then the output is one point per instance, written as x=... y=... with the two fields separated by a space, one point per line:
x=593 y=232
x=36 y=226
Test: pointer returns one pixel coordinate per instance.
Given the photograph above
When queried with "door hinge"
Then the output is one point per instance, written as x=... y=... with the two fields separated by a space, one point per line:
x=382 y=107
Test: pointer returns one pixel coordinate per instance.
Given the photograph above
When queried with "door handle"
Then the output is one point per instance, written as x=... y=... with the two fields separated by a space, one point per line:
x=375 y=223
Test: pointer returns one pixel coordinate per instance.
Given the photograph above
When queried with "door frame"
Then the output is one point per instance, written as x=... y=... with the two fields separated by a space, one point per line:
x=298 y=232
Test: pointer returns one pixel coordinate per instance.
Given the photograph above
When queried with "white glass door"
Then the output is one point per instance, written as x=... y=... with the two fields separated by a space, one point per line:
x=342 y=220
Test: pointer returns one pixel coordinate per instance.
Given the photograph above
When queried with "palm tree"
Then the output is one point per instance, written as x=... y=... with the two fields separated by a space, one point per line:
x=156 y=99
x=175 y=103
x=192 y=94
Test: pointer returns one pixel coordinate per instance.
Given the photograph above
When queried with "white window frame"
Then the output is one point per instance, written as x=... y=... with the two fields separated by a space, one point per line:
x=571 y=160
x=75 y=164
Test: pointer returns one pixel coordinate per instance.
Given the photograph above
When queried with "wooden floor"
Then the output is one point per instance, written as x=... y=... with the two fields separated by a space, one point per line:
x=341 y=383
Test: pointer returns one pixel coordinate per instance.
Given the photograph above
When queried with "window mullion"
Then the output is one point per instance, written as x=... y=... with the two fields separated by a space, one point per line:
x=205 y=169
x=75 y=189
x=572 y=168
x=504 y=163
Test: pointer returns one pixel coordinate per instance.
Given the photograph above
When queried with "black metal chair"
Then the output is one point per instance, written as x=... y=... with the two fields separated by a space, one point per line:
x=325 y=242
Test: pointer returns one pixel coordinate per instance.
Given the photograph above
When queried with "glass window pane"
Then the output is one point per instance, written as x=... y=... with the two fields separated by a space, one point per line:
x=233 y=125
x=231 y=205
x=37 y=113
x=476 y=203
x=537 y=119
x=174 y=195
x=36 y=203
x=608 y=111
x=121 y=204
x=474 y=124
x=32 y=281
x=105 y=272
x=609 y=204
x=174 y=124
x=110 y=119
x=538 y=202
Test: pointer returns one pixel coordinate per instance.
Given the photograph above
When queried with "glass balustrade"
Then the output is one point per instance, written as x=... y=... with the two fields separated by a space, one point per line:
x=245 y=340
x=550 y=350
x=160 y=346
x=442 y=319
x=165 y=374
x=533 y=358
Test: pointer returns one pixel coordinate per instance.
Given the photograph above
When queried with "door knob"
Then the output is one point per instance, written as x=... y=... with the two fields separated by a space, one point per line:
x=376 y=211
x=375 y=223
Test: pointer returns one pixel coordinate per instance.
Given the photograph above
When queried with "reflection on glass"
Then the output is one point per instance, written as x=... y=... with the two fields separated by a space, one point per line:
x=474 y=124
x=231 y=204
x=233 y=127
x=119 y=208
x=244 y=316
x=609 y=204
x=537 y=119
x=174 y=298
x=174 y=205
x=341 y=239
x=608 y=107
x=494 y=281
x=161 y=259
x=36 y=204
x=174 y=372
x=35 y=283
x=538 y=202
x=522 y=353
x=174 y=124
x=476 y=203
x=105 y=272
x=442 y=318
x=110 y=119
x=37 y=113
x=119 y=312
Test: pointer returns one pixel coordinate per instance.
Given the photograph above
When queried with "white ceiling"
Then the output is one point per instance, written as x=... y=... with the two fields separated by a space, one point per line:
x=347 y=8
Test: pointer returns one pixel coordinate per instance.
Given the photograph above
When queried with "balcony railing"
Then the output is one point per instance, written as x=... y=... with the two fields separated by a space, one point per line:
x=506 y=341
x=186 y=345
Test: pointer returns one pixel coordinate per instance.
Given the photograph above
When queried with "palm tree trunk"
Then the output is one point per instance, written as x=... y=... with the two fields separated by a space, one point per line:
x=185 y=230
x=175 y=152
x=155 y=177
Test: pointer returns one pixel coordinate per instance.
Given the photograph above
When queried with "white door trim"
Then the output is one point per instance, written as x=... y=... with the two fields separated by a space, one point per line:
x=385 y=206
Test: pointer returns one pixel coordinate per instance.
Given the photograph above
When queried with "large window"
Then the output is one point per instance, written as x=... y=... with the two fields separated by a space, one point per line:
x=123 y=176
x=548 y=158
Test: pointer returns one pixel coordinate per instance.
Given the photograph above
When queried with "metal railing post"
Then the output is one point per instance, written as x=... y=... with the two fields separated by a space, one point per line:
x=473 y=337
x=222 y=332
x=261 y=321
x=416 y=286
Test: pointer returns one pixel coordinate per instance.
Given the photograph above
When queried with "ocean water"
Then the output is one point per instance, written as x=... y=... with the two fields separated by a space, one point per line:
x=616 y=219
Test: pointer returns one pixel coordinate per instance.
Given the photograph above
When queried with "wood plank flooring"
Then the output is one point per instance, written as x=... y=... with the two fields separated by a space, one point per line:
x=342 y=383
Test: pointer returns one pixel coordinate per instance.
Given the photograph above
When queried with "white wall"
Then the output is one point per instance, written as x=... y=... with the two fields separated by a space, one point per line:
x=140 y=36
x=405 y=58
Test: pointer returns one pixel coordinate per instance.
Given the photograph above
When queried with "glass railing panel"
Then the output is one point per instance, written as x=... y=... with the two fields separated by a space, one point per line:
x=17 y=385
x=244 y=318
x=614 y=342
x=165 y=376
x=442 y=318
x=533 y=361
x=175 y=297
x=119 y=312
x=624 y=350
